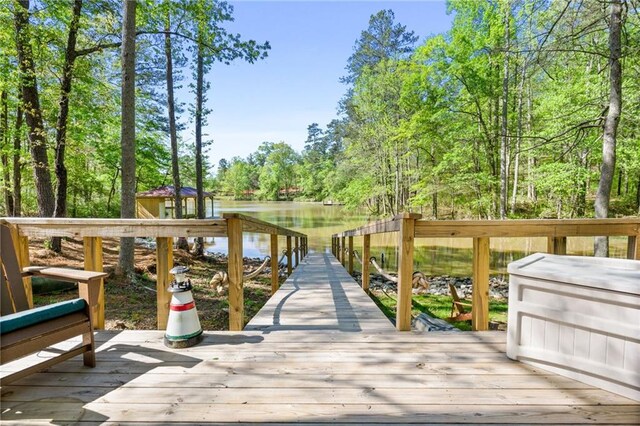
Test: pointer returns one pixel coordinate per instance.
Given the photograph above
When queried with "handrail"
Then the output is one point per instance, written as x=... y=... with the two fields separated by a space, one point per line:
x=252 y=224
x=231 y=226
x=503 y=228
x=37 y=227
x=378 y=227
x=410 y=227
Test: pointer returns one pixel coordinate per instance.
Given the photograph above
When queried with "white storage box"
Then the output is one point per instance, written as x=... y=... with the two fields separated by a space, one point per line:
x=578 y=317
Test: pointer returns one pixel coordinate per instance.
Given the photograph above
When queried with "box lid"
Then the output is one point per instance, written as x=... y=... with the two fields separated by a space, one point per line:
x=600 y=272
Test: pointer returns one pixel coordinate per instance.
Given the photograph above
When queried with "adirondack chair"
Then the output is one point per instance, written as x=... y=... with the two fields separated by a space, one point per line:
x=459 y=310
x=24 y=331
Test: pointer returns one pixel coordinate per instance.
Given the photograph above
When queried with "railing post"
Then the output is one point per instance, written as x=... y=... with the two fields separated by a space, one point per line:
x=350 y=255
x=366 y=254
x=633 y=247
x=480 y=285
x=21 y=245
x=274 y=264
x=93 y=261
x=557 y=245
x=297 y=251
x=289 y=258
x=342 y=247
x=236 y=296
x=164 y=263
x=405 y=272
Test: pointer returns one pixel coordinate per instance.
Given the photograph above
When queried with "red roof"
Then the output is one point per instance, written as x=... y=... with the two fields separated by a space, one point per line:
x=169 y=192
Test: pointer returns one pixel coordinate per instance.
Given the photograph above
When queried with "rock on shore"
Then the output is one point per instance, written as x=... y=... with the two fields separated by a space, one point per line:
x=439 y=285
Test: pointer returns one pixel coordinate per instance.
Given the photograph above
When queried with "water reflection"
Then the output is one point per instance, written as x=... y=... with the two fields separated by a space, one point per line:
x=433 y=256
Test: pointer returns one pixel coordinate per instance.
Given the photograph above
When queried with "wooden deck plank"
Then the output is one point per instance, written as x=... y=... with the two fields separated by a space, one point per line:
x=316 y=336
x=276 y=367
x=72 y=411
x=293 y=395
x=330 y=381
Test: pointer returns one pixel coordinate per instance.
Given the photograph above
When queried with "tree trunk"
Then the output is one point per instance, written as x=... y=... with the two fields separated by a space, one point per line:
x=610 y=124
x=494 y=153
x=61 y=123
x=584 y=185
x=33 y=112
x=516 y=166
x=17 y=167
x=396 y=199
x=173 y=134
x=198 y=248
x=504 y=178
x=638 y=196
x=4 y=137
x=112 y=191
x=532 y=193
x=128 y=135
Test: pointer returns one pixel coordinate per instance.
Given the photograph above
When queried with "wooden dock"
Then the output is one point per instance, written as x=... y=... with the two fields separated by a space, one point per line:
x=318 y=352
x=320 y=295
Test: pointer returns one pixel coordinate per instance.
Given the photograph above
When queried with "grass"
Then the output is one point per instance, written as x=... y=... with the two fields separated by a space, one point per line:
x=438 y=306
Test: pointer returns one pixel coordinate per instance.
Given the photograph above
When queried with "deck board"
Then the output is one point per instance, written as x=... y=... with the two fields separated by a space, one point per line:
x=342 y=368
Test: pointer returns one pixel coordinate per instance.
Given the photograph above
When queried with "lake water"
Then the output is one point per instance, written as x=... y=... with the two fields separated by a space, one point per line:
x=433 y=256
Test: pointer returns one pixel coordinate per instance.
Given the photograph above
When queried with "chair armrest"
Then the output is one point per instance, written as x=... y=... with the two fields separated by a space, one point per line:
x=64 y=274
x=88 y=281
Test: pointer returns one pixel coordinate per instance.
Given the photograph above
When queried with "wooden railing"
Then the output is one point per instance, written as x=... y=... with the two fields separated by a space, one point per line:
x=92 y=231
x=409 y=227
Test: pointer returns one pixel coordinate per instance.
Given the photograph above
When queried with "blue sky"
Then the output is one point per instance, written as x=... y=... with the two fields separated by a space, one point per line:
x=298 y=84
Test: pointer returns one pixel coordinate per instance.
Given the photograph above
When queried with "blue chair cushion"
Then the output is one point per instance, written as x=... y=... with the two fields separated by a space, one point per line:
x=13 y=322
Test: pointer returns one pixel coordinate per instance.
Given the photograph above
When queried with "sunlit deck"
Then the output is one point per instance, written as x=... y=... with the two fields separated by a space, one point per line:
x=318 y=352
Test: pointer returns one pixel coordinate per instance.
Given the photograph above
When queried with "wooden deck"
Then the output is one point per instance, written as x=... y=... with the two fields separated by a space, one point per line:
x=304 y=362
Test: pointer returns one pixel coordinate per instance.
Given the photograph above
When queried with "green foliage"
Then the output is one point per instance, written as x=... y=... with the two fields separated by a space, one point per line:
x=424 y=130
x=278 y=172
x=237 y=179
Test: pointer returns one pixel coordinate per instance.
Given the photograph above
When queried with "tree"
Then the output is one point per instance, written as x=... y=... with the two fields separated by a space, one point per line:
x=173 y=128
x=4 y=137
x=314 y=167
x=223 y=166
x=17 y=172
x=504 y=137
x=61 y=123
x=33 y=111
x=237 y=178
x=128 y=134
x=213 y=43
x=278 y=172
x=383 y=39
x=607 y=170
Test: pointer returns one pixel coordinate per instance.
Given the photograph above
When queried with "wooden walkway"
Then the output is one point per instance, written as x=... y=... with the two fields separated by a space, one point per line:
x=320 y=295
x=337 y=362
